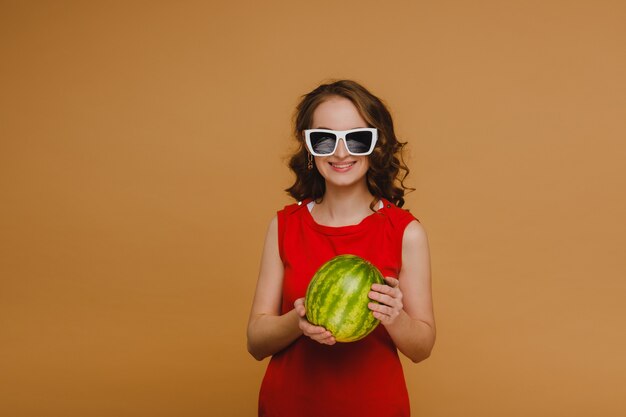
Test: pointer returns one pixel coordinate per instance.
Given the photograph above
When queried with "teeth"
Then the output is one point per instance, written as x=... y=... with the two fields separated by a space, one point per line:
x=343 y=165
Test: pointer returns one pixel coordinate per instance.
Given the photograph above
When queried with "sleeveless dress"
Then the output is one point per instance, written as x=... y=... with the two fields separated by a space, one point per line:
x=362 y=378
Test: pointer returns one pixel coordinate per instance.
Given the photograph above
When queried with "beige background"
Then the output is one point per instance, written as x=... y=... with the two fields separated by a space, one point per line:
x=142 y=150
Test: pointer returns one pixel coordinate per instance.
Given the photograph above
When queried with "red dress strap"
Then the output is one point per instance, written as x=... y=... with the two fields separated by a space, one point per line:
x=281 y=216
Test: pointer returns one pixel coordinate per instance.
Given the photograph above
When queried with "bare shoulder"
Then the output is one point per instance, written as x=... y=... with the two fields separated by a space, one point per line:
x=271 y=236
x=273 y=225
x=415 y=235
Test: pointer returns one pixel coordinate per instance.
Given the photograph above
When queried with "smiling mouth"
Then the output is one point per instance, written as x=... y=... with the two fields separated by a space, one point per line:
x=342 y=165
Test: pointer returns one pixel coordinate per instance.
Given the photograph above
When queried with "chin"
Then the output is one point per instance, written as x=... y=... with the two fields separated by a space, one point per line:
x=343 y=179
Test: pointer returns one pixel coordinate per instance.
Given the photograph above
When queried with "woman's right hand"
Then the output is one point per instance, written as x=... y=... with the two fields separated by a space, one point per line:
x=317 y=333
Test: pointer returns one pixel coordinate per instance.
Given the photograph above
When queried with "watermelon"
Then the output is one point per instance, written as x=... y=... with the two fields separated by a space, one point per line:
x=336 y=297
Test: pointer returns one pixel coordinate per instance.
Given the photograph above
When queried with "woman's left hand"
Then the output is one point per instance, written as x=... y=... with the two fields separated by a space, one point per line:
x=390 y=299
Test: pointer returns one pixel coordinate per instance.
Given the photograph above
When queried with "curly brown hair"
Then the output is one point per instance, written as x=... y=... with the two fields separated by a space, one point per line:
x=387 y=172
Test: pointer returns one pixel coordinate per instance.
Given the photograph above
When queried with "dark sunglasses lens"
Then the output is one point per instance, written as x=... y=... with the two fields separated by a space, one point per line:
x=359 y=142
x=323 y=142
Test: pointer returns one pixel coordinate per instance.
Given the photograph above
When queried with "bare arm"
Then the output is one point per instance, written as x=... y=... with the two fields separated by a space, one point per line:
x=268 y=331
x=407 y=310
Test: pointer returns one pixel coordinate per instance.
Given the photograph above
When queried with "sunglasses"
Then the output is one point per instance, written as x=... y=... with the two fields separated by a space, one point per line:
x=324 y=142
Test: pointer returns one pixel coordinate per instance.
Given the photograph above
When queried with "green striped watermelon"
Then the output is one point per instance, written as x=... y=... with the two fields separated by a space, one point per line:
x=336 y=298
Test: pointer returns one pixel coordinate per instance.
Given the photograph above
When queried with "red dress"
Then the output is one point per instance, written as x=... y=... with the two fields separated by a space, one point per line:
x=362 y=378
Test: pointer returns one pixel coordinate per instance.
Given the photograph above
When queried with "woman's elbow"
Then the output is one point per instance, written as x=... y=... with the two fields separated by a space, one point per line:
x=423 y=352
x=256 y=353
x=420 y=356
x=254 y=348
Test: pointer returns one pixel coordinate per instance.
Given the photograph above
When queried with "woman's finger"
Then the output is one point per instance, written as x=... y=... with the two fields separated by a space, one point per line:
x=389 y=300
x=393 y=282
x=299 y=306
x=386 y=299
x=385 y=314
x=382 y=309
x=317 y=333
x=324 y=337
x=386 y=289
x=311 y=329
x=328 y=341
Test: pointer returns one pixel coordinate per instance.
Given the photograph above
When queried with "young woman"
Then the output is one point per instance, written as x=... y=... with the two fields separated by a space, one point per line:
x=349 y=188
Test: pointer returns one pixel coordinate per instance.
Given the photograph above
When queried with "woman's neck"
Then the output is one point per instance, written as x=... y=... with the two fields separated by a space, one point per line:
x=343 y=206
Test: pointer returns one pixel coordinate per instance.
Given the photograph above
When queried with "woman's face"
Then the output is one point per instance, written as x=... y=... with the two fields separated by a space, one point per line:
x=340 y=168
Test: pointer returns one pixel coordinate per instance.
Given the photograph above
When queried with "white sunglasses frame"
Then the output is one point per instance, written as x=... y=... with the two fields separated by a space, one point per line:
x=341 y=135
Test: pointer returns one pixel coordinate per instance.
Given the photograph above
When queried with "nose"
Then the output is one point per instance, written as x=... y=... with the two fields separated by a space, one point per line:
x=341 y=151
